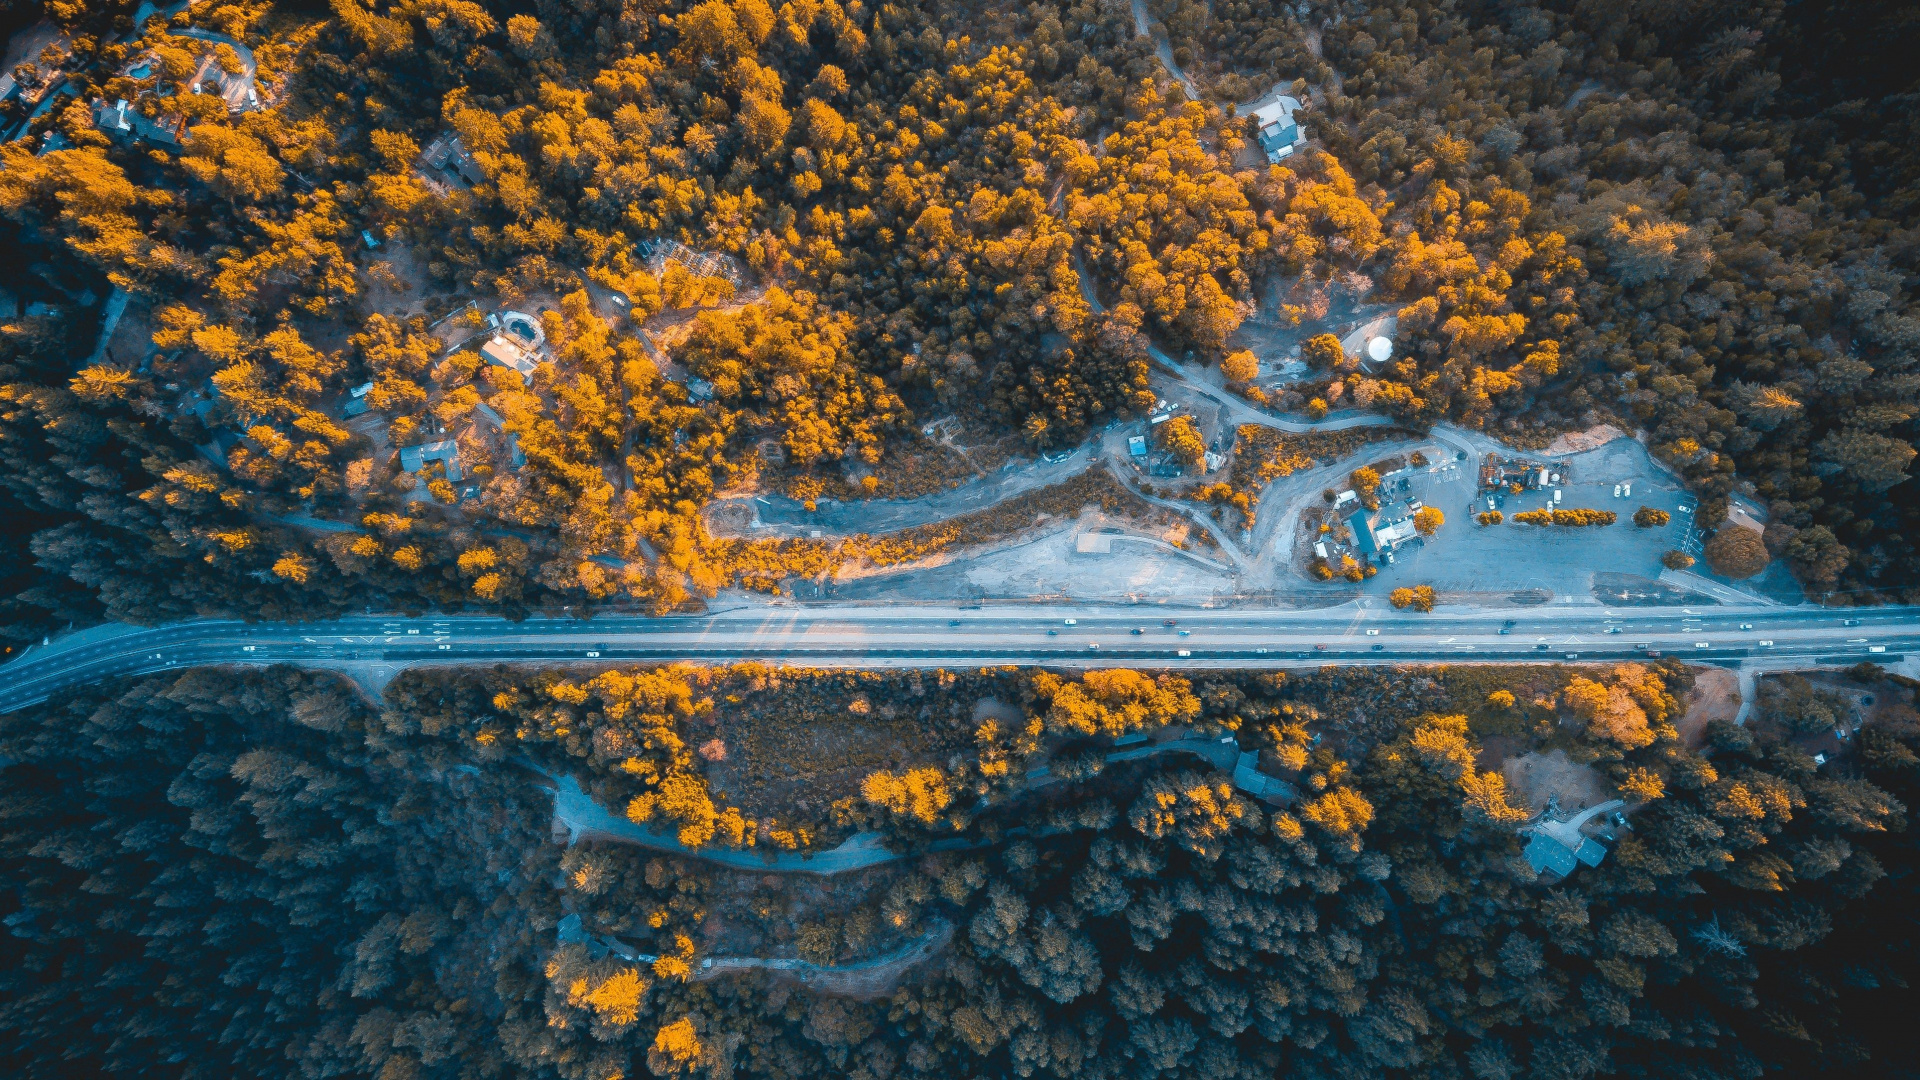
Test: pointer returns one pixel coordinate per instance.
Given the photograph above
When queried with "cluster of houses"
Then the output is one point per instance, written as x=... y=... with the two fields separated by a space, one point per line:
x=224 y=67
x=1161 y=462
x=508 y=339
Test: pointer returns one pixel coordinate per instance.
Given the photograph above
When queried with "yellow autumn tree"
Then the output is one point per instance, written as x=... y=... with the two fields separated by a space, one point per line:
x=1196 y=811
x=1624 y=708
x=614 y=1000
x=1116 y=701
x=676 y=1046
x=919 y=794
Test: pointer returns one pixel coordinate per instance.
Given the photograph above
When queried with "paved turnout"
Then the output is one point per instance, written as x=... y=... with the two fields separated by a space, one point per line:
x=1054 y=634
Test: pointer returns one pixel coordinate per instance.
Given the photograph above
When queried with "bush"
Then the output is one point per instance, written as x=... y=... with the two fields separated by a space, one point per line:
x=1648 y=518
x=1736 y=552
x=1322 y=351
x=1578 y=517
x=1491 y=517
x=1419 y=598
x=1676 y=560
x=1240 y=367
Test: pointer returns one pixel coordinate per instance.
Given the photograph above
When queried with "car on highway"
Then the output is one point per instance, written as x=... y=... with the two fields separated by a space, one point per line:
x=953 y=622
x=1373 y=633
x=1378 y=647
x=1746 y=626
x=1170 y=622
x=1876 y=648
x=1053 y=633
x=1542 y=648
x=1506 y=630
x=1186 y=652
x=1095 y=647
x=1613 y=629
x=1073 y=622
x=1766 y=643
x=1702 y=645
x=1850 y=622
x=1186 y=633
x=1138 y=630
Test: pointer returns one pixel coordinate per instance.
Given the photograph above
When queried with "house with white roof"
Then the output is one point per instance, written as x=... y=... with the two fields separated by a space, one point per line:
x=1278 y=132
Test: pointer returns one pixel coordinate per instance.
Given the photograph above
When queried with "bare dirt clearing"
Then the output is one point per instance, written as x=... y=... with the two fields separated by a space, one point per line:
x=1535 y=777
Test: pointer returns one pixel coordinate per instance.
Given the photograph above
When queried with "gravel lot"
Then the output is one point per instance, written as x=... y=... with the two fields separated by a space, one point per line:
x=1502 y=559
x=1049 y=566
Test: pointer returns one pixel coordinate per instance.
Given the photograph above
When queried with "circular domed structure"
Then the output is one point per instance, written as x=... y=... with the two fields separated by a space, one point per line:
x=1379 y=349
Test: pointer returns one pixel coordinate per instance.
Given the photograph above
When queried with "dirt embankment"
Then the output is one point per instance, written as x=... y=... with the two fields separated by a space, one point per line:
x=1574 y=442
x=1715 y=696
x=865 y=980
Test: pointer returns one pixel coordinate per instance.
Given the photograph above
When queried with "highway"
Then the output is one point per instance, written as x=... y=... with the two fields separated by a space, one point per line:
x=1057 y=634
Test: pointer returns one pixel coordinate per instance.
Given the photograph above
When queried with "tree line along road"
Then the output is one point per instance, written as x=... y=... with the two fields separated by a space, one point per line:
x=1052 y=634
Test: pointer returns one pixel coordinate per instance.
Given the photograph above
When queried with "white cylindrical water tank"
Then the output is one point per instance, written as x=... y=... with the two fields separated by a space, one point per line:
x=1379 y=349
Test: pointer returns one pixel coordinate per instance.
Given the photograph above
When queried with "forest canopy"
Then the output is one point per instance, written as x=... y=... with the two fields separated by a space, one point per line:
x=246 y=872
x=764 y=245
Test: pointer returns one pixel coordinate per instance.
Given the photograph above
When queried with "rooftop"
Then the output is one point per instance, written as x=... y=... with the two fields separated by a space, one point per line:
x=1363 y=538
x=502 y=351
x=415 y=458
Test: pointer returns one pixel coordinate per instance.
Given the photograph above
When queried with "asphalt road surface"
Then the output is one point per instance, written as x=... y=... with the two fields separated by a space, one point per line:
x=1053 y=634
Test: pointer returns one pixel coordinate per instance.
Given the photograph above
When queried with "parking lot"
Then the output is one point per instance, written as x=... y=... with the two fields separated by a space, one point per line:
x=1509 y=558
